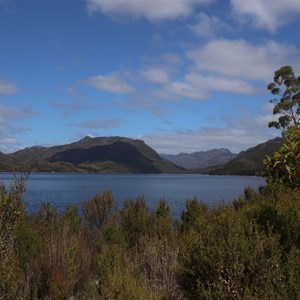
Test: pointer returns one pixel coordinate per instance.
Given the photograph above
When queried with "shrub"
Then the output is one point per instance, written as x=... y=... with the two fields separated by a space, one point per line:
x=12 y=210
x=283 y=166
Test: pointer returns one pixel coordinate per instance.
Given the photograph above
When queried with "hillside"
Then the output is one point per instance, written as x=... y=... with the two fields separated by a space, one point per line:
x=124 y=155
x=7 y=164
x=201 y=159
x=249 y=162
x=95 y=155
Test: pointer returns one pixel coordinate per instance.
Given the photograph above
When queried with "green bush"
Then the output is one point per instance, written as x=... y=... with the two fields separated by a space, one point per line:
x=283 y=166
x=249 y=249
x=12 y=211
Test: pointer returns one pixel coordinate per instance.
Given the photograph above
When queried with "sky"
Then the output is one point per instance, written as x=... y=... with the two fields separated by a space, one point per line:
x=182 y=75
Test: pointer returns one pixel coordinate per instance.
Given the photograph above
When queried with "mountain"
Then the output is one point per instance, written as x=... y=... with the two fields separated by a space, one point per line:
x=96 y=155
x=201 y=159
x=7 y=164
x=249 y=162
x=124 y=155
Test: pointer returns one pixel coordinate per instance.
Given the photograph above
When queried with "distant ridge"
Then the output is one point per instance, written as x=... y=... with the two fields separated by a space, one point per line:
x=249 y=162
x=95 y=155
x=6 y=163
x=201 y=159
x=125 y=155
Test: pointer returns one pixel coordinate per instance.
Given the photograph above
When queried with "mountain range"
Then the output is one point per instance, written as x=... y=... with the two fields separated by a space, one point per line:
x=125 y=155
x=201 y=159
x=249 y=162
x=91 y=155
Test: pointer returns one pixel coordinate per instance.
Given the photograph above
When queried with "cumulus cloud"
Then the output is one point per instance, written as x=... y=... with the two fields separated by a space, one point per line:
x=220 y=65
x=219 y=83
x=160 y=69
x=156 y=74
x=236 y=135
x=8 y=88
x=185 y=89
x=200 y=85
x=208 y=26
x=267 y=14
x=110 y=83
x=9 y=144
x=154 y=10
x=241 y=59
x=8 y=127
x=133 y=105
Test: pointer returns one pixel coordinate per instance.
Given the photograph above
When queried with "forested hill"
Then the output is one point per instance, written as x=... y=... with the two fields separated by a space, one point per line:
x=92 y=155
x=6 y=163
x=201 y=159
x=249 y=162
x=125 y=155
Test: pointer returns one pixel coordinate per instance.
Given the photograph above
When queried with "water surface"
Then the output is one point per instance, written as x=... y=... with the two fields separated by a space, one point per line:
x=62 y=190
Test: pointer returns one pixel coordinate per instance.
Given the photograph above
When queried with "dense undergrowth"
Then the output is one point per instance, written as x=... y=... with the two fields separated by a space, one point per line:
x=249 y=249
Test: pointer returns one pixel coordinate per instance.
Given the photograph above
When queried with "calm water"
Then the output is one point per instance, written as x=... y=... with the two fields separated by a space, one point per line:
x=62 y=190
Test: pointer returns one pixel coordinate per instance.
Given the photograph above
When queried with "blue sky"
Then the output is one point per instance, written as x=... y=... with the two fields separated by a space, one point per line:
x=183 y=75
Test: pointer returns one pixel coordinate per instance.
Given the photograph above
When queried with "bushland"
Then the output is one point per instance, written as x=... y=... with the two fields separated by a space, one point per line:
x=247 y=249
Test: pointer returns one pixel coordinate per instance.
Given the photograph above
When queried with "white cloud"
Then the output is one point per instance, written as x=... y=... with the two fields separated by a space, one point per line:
x=156 y=75
x=185 y=89
x=236 y=135
x=8 y=88
x=219 y=83
x=267 y=14
x=170 y=59
x=8 y=144
x=110 y=83
x=199 y=86
x=154 y=10
x=232 y=66
x=240 y=59
x=133 y=105
x=160 y=69
x=8 y=141
x=8 y=128
x=208 y=26
x=9 y=113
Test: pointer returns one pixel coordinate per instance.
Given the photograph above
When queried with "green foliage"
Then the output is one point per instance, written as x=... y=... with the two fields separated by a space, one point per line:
x=244 y=251
x=135 y=221
x=98 y=210
x=117 y=278
x=11 y=214
x=286 y=86
x=249 y=249
x=162 y=221
x=192 y=218
x=284 y=165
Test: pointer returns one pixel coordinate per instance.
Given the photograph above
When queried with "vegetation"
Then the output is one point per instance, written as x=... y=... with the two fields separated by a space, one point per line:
x=286 y=88
x=284 y=165
x=91 y=155
x=247 y=249
x=249 y=162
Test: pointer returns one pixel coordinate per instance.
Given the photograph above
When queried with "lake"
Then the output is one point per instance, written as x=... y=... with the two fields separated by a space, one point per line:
x=62 y=190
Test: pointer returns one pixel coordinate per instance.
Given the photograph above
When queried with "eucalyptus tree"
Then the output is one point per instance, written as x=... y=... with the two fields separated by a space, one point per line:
x=284 y=165
x=286 y=88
